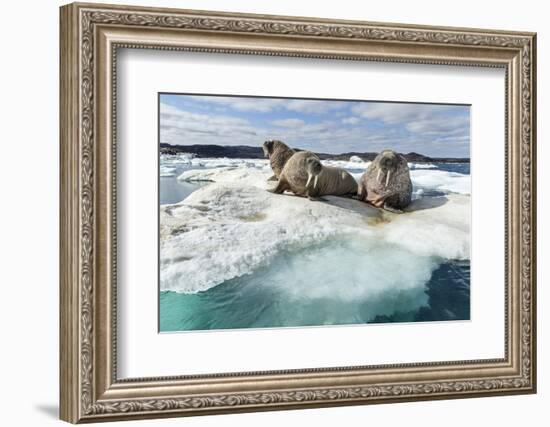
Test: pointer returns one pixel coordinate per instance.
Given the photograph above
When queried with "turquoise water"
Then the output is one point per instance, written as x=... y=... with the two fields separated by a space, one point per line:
x=334 y=283
x=281 y=294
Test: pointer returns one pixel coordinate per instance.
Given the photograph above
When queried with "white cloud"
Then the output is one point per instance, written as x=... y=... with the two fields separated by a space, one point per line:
x=426 y=119
x=425 y=129
x=178 y=126
x=313 y=106
x=351 y=120
x=266 y=105
x=395 y=113
x=289 y=123
x=263 y=105
x=449 y=125
x=178 y=116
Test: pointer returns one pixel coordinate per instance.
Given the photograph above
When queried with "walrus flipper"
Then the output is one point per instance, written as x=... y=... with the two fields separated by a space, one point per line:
x=282 y=185
x=388 y=208
x=389 y=202
x=362 y=192
x=273 y=178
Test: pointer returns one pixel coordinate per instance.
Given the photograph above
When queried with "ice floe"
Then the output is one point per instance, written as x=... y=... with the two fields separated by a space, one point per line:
x=422 y=179
x=166 y=171
x=441 y=180
x=190 y=160
x=413 y=166
x=245 y=176
x=233 y=226
x=351 y=165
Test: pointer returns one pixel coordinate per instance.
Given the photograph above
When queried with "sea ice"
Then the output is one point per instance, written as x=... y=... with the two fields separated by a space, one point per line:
x=413 y=166
x=233 y=226
x=227 y=162
x=448 y=182
x=245 y=176
x=356 y=164
x=166 y=171
x=256 y=173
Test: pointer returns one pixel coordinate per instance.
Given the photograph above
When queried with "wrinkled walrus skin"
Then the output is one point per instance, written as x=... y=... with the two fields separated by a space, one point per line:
x=328 y=180
x=387 y=182
x=278 y=154
x=305 y=176
x=294 y=175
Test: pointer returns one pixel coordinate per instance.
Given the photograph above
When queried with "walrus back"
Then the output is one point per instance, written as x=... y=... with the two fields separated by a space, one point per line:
x=279 y=157
x=336 y=182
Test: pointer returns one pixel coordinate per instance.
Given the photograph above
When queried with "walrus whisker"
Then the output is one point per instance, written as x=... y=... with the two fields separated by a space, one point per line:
x=388 y=178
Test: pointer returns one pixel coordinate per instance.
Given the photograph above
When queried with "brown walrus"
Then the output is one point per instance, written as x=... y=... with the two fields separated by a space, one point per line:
x=304 y=175
x=278 y=154
x=387 y=182
x=328 y=180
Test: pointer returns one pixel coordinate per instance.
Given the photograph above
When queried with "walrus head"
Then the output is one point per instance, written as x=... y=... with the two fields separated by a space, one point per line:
x=268 y=148
x=387 y=163
x=313 y=168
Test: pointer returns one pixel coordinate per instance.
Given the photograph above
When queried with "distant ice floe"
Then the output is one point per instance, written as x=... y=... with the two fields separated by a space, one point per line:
x=176 y=159
x=233 y=226
x=166 y=171
x=226 y=162
x=356 y=164
x=244 y=176
x=452 y=182
x=189 y=160
x=413 y=166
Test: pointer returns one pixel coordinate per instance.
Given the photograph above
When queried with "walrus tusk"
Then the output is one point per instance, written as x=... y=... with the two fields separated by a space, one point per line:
x=315 y=181
x=378 y=176
x=308 y=179
x=388 y=178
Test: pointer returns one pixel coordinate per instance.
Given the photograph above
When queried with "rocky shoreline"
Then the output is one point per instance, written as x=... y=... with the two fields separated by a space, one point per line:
x=247 y=152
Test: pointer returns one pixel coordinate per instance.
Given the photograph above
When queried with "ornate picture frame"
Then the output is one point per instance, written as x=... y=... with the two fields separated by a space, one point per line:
x=90 y=37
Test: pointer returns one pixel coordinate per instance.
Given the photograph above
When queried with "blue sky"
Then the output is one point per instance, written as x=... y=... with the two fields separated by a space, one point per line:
x=325 y=126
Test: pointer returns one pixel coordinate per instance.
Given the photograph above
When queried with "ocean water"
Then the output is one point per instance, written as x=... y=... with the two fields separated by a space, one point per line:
x=342 y=280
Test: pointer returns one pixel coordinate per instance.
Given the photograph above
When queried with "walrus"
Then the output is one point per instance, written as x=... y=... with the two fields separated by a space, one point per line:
x=305 y=176
x=278 y=154
x=328 y=181
x=387 y=182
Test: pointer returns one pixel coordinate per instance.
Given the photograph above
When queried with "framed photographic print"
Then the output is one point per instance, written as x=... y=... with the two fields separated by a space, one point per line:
x=266 y=212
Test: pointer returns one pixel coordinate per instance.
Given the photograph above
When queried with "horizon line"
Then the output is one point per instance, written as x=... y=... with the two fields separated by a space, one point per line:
x=319 y=152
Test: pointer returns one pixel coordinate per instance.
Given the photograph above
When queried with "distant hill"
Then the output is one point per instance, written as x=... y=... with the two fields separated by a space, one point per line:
x=247 y=152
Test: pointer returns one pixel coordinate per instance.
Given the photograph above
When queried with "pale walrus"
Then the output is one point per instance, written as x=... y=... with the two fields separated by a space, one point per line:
x=278 y=154
x=304 y=175
x=328 y=180
x=387 y=182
